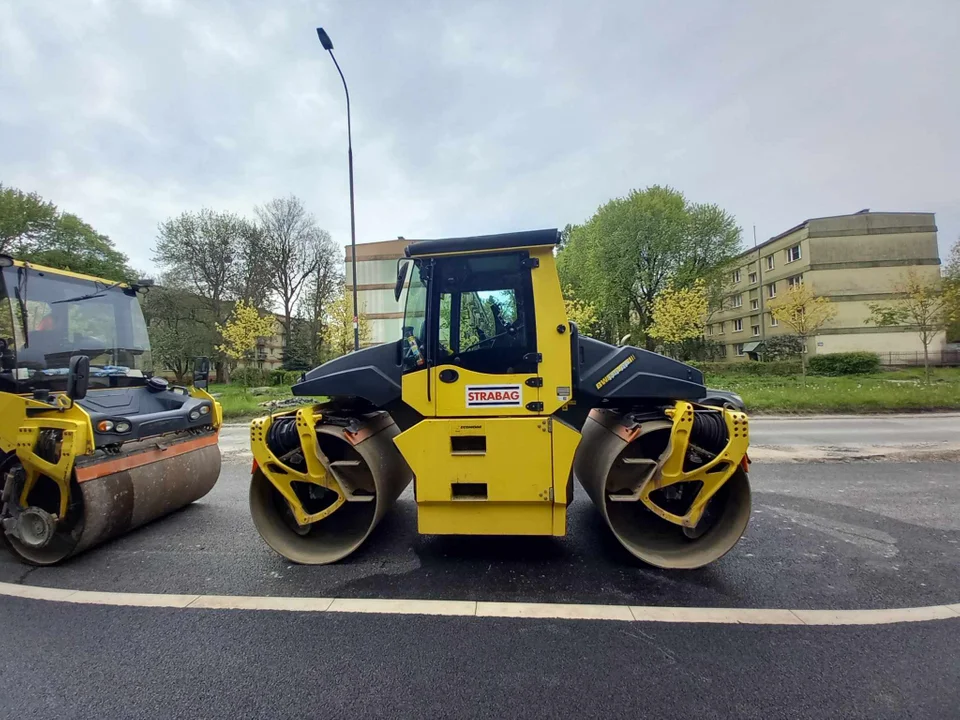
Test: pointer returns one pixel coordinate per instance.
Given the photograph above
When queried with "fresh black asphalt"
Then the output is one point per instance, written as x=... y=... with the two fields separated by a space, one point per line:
x=839 y=536
x=842 y=536
x=112 y=662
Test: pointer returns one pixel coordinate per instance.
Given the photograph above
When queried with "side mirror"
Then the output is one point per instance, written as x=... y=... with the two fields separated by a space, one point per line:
x=78 y=378
x=403 y=264
x=201 y=372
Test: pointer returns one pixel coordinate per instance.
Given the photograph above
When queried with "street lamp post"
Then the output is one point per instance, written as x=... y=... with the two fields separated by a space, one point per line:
x=328 y=46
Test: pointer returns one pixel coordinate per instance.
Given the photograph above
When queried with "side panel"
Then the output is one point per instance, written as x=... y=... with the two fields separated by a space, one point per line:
x=482 y=394
x=564 y=443
x=482 y=476
x=415 y=392
x=553 y=345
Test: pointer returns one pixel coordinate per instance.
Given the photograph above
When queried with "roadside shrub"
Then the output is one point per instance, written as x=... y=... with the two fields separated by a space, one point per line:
x=848 y=363
x=782 y=347
x=249 y=377
x=285 y=377
x=750 y=368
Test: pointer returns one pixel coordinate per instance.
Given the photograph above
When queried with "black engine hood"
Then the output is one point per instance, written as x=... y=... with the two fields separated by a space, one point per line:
x=372 y=374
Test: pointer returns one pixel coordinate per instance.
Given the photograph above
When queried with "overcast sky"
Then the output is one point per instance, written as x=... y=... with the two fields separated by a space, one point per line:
x=476 y=117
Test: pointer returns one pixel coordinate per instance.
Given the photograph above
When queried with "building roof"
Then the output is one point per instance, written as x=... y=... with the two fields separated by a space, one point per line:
x=806 y=223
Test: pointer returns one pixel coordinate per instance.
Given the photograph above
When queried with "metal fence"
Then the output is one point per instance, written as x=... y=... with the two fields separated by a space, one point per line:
x=941 y=358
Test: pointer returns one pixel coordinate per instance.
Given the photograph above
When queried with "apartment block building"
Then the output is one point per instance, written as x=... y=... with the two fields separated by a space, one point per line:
x=376 y=279
x=851 y=259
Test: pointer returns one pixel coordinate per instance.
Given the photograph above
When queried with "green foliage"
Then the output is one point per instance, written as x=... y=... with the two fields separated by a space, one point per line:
x=338 y=339
x=24 y=219
x=181 y=328
x=782 y=347
x=635 y=246
x=887 y=391
x=250 y=377
x=846 y=363
x=284 y=377
x=749 y=368
x=243 y=330
x=34 y=230
x=679 y=313
x=697 y=349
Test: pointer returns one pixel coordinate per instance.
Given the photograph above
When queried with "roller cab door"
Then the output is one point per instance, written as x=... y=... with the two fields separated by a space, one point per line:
x=485 y=351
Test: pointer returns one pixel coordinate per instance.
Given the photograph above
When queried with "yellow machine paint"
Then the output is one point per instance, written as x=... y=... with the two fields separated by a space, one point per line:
x=79 y=466
x=491 y=404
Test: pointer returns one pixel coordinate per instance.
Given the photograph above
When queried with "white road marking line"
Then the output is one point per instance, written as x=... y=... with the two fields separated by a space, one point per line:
x=404 y=607
x=253 y=602
x=561 y=611
x=734 y=616
x=469 y=608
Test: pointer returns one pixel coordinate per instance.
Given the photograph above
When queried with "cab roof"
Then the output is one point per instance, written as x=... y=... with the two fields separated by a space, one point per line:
x=478 y=243
x=11 y=262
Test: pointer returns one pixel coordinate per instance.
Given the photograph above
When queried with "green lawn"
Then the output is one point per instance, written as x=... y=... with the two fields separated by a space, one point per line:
x=890 y=391
x=240 y=404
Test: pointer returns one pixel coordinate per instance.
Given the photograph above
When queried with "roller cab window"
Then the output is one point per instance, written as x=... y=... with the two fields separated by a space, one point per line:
x=45 y=318
x=485 y=314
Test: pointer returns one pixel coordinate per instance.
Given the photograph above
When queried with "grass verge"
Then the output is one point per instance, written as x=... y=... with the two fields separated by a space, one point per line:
x=888 y=391
x=240 y=404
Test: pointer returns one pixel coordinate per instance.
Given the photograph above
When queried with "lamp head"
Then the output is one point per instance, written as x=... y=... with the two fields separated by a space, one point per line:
x=324 y=39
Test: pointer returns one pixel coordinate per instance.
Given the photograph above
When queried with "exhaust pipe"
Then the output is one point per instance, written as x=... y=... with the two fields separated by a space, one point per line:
x=617 y=457
x=368 y=472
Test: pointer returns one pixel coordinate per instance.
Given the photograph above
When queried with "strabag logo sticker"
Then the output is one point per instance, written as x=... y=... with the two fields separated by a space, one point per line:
x=494 y=395
x=616 y=371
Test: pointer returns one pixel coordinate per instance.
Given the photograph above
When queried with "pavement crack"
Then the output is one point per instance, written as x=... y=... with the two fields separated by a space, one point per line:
x=651 y=641
x=26 y=573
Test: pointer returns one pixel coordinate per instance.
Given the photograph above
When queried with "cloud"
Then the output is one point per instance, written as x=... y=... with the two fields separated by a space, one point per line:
x=479 y=117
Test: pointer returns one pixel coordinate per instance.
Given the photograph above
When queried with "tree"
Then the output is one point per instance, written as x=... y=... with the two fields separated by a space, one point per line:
x=339 y=325
x=928 y=307
x=679 y=314
x=951 y=278
x=242 y=331
x=24 y=219
x=180 y=328
x=579 y=312
x=290 y=240
x=322 y=287
x=804 y=313
x=72 y=244
x=204 y=253
x=635 y=246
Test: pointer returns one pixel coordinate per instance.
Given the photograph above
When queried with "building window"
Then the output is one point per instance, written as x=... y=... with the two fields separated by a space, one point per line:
x=755 y=330
x=754 y=304
x=752 y=278
x=795 y=280
x=739 y=348
x=793 y=253
x=737 y=301
x=736 y=276
x=770 y=264
x=738 y=325
x=772 y=290
x=773 y=321
x=721 y=329
x=709 y=329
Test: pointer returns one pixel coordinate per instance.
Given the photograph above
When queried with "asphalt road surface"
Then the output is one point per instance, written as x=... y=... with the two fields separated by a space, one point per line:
x=819 y=431
x=829 y=536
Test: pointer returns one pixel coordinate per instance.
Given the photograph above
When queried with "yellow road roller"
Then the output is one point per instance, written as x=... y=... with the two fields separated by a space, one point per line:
x=91 y=445
x=492 y=404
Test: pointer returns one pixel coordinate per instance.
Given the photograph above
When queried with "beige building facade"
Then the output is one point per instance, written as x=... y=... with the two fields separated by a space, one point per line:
x=376 y=280
x=853 y=260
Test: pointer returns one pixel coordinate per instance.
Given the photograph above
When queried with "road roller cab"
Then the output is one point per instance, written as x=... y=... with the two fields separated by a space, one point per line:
x=91 y=445
x=493 y=404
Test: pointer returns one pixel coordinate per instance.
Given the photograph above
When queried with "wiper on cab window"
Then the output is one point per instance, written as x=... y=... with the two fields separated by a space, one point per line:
x=89 y=296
